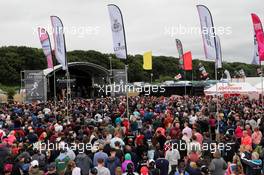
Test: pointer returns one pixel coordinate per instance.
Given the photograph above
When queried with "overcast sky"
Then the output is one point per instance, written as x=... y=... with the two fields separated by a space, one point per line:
x=149 y=24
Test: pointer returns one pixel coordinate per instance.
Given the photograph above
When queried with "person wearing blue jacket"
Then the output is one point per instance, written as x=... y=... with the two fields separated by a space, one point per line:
x=253 y=166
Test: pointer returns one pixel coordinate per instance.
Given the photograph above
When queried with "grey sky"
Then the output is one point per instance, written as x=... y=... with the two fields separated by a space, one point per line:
x=147 y=23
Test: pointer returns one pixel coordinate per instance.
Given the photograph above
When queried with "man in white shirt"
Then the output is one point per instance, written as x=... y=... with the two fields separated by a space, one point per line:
x=192 y=118
x=173 y=155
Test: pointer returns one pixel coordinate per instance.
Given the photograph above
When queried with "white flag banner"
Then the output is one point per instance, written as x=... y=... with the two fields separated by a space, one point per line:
x=58 y=35
x=118 y=33
x=256 y=55
x=219 y=53
x=228 y=77
x=207 y=30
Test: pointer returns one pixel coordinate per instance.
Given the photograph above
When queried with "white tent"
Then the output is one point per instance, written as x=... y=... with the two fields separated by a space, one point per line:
x=258 y=86
x=231 y=88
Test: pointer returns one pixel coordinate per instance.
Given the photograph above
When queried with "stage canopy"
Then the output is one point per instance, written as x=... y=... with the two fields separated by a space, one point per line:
x=231 y=88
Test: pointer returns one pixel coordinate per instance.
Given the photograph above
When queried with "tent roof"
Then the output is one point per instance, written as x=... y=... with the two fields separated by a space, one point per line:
x=87 y=66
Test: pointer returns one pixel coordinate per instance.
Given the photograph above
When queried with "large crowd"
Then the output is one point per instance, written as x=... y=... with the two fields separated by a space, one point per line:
x=159 y=136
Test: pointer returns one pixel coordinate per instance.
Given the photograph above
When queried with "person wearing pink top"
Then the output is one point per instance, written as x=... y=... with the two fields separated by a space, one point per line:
x=10 y=139
x=246 y=139
x=187 y=130
x=199 y=136
x=256 y=136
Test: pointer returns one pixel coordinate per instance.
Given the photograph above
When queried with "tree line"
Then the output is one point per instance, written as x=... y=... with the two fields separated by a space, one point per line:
x=14 y=59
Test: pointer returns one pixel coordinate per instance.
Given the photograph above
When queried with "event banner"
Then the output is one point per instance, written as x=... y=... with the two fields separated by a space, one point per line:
x=187 y=61
x=147 y=60
x=34 y=85
x=118 y=32
x=119 y=78
x=180 y=51
x=259 y=35
x=58 y=34
x=207 y=30
x=46 y=46
x=218 y=61
x=255 y=59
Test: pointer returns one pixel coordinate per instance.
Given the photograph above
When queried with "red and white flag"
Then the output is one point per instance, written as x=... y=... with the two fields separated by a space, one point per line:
x=177 y=77
x=46 y=46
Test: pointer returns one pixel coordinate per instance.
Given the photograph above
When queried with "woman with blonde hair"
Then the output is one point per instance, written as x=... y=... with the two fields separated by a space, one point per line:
x=235 y=168
x=118 y=171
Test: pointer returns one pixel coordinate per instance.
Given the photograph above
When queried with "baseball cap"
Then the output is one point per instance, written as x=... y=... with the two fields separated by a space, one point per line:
x=34 y=163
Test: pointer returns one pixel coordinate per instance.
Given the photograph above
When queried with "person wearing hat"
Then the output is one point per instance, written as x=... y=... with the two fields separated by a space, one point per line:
x=34 y=168
x=126 y=162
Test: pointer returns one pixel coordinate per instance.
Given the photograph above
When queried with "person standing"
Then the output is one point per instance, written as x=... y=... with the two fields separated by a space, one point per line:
x=112 y=162
x=99 y=155
x=173 y=156
x=162 y=164
x=218 y=165
x=102 y=170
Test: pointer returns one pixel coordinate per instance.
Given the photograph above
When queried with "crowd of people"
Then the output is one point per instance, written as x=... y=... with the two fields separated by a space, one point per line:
x=158 y=136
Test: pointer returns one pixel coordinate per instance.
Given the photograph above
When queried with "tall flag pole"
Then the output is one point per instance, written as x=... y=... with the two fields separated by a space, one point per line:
x=60 y=51
x=46 y=47
x=119 y=39
x=209 y=41
x=260 y=42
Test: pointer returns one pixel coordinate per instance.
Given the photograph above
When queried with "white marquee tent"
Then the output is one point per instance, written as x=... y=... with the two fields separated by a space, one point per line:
x=258 y=86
